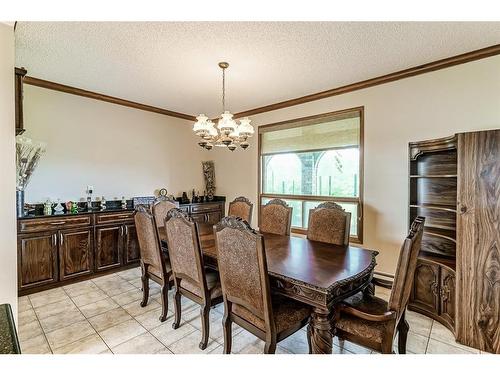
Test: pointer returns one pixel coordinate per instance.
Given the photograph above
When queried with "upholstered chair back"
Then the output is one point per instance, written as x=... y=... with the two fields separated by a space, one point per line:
x=329 y=223
x=407 y=263
x=159 y=208
x=276 y=217
x=184 y=248
x=243 y=269
x=241 y=207
x=149 y=243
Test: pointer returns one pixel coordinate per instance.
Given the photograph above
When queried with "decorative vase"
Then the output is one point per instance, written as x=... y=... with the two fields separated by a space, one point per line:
x=20 y=203
x=209 y=175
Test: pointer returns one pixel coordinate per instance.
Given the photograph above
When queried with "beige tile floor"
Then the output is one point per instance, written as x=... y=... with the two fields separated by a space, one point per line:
x=103 y=316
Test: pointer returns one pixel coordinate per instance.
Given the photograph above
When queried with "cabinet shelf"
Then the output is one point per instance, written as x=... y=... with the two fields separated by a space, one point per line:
x=443 y=207
x=441 y=232
x=433 y=176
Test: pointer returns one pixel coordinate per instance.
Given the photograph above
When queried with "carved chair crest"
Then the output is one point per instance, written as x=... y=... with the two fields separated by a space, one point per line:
x=164 y=198
x=234 y=222
x=242 y=199
x=415 y=226
x=330 y=206
x=277 y=201
x=177 y=213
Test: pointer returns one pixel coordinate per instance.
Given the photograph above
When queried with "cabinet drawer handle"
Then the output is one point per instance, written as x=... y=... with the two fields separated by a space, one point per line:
x=61 y=239
x=57 y=223
x=54 y=240
x=126 y=230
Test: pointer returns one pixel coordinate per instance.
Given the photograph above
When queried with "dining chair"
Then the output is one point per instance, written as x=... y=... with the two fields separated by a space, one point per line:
x=154 y=264
x=191 y=279
x=241 y=258
x=329 y=223
x=276 y=217
x=241 y=207
x=160 y=206
x=373 y=322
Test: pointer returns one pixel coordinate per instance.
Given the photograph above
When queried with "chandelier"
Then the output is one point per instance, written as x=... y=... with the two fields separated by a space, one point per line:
x=228 y=132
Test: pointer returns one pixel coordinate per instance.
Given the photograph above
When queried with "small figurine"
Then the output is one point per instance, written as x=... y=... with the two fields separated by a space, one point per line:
x=103 y=203
x=184 y=198
x=74 y=207
x=124 y=203
x=47 y=207
x=59 y=209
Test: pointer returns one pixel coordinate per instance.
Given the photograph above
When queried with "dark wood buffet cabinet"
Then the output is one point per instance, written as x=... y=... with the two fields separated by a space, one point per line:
x=55 y=250
x=455 y=183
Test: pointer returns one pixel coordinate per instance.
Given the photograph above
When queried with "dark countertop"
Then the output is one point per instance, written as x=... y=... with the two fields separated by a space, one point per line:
x=39 y=214
x=66 y=214
x=9 y=343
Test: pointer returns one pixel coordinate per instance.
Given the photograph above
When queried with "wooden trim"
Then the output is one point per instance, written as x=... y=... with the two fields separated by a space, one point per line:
x=312 y=120
x=319 y=198
x=341 y=114
x=391 y=77
x=357 y=200
x=105 y=98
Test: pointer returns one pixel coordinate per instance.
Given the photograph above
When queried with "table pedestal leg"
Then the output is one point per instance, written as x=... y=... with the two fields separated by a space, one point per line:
x=320 y=330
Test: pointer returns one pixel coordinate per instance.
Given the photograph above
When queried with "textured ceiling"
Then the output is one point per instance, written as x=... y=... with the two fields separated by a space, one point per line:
x=173 y=65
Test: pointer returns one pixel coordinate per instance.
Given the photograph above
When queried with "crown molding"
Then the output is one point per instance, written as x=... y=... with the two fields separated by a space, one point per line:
x=380 y=80
x=105 y=98
x=391 y=77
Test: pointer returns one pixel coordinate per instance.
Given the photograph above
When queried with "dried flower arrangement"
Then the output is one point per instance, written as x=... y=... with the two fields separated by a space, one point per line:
x=28 y=154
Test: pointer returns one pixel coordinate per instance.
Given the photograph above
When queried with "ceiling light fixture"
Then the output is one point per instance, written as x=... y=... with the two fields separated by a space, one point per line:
x=228 y=133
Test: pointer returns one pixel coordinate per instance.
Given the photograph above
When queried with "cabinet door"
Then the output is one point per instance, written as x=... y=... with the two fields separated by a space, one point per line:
x=425 y=291
x=37 y=260
x=213 y=217
x=447 y=293
x=131 y=245
x=199 y=218
x=478 y=241
x=108 y=249
x=75 y=253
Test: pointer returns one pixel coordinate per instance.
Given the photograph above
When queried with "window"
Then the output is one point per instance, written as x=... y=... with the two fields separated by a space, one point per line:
x=311 y=160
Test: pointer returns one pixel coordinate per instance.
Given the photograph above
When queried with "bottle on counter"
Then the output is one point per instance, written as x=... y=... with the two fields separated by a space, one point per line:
x=124 y=203
x=103 y=203
x=47 y=207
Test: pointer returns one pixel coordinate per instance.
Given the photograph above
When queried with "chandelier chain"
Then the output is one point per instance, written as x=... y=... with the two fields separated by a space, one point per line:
x=223 y=89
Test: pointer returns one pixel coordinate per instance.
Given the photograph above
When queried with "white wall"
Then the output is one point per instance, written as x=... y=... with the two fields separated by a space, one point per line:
x=8 y=252
x=121 y=151
x=462 y=98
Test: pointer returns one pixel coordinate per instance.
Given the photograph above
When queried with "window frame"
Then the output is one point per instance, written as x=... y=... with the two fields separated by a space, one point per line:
x=358 y=238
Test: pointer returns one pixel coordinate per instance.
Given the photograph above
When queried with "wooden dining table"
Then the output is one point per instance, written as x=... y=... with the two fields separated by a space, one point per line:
x=315 y=273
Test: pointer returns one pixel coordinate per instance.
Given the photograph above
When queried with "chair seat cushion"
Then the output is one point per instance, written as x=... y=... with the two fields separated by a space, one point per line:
x=287 y=313
x=360 y=327
x=213 y=285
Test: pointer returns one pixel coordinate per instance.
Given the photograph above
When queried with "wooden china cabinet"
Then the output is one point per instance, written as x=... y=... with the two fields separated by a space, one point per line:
x=455 y=182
